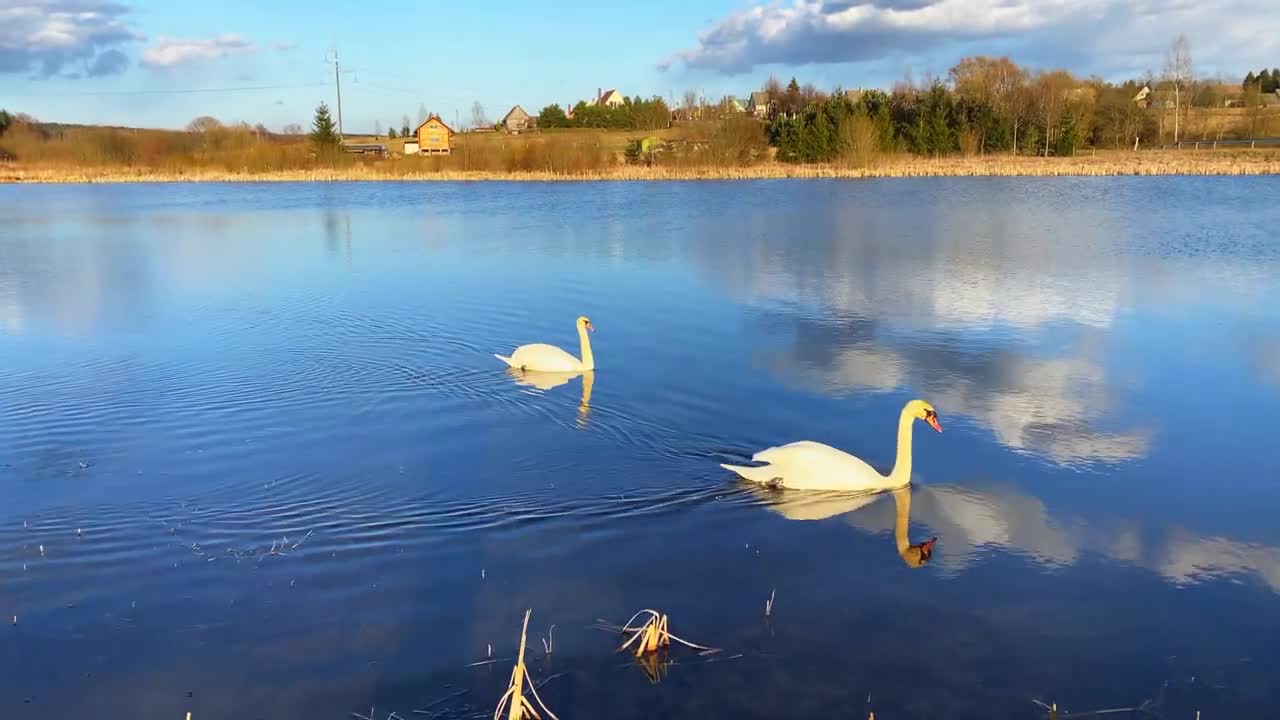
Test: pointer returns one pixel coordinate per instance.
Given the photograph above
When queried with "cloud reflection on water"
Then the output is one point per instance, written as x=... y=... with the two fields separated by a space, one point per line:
x=971 y=523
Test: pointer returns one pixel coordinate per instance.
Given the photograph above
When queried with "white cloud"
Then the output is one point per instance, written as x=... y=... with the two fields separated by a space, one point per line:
x=168 y=52
x=55 y=37
x=1105 y=35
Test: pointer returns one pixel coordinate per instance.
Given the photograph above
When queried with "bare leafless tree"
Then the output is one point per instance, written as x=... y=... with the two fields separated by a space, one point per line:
x=689 y=102
x=1177 y=72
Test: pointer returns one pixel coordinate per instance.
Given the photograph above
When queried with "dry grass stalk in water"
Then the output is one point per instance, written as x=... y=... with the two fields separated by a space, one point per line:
x=654 y=634
x=517 y=706
x=768 y=605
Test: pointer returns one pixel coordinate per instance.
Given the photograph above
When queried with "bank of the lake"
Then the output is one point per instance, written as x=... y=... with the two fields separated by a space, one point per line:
x=1149 y=163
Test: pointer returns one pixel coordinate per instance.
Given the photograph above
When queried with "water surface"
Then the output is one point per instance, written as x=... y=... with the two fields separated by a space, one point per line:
x=258 y=461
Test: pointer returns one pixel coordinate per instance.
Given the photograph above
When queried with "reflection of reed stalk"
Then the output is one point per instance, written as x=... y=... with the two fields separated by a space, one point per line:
x=513 y=700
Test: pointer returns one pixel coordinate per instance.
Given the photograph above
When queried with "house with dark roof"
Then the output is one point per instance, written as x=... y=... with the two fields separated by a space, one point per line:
x=609 y=98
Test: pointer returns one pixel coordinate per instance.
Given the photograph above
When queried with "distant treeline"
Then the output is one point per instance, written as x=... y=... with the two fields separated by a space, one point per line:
x=991 y=105
x=1264 y=81
x=634 y=113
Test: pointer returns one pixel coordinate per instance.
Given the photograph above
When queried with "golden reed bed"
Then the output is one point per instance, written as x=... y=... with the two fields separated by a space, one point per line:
x=1103 y=164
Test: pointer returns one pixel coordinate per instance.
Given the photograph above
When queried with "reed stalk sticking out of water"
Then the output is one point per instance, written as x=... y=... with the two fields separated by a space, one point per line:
x=652 y=634
x=517 y=706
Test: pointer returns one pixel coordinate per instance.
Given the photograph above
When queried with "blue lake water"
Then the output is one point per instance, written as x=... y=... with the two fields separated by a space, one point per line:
x=257 y=459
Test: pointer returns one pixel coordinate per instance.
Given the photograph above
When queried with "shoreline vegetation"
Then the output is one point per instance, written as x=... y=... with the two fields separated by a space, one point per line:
x=988 y=117
x=1141 y=163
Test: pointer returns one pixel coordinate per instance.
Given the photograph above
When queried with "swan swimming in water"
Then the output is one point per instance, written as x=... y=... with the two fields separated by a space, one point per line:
x=541 y=357
x=808 y=465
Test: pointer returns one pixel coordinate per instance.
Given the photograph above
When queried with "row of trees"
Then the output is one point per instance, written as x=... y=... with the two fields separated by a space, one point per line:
x=1264 y=81
x=992 y=105
x=635 y=113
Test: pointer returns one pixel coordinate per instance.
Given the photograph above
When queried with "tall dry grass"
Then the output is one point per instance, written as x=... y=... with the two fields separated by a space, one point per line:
x=730 y=149
x=1149 y=162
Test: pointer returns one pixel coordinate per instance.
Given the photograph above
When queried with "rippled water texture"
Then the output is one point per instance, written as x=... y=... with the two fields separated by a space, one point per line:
x=257 y=459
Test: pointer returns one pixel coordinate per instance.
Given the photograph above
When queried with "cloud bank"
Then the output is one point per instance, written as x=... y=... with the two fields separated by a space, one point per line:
x=64 y=37
x=170 y=52
x=1101 y=33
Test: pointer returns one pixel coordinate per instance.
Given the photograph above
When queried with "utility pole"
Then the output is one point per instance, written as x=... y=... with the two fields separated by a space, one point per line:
x=458 y=124
x=337 y=81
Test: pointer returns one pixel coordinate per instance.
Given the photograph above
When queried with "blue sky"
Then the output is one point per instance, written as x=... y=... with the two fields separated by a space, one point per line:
x=159 y=63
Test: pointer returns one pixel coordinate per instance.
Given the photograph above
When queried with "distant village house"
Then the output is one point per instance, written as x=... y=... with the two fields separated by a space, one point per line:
x=609 y=98
x=517 y=120
x=758 y=104
x=434 y=137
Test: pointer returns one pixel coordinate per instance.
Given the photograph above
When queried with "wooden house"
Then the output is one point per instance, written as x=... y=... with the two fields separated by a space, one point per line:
x=517 y=120
x=758 y=104
x=434 y=137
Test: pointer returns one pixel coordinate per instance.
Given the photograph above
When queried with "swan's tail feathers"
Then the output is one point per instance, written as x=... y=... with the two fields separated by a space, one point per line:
x=505 y=359
x=765 y=474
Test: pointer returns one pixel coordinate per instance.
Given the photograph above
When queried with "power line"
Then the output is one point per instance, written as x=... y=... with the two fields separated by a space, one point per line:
x=180 y=91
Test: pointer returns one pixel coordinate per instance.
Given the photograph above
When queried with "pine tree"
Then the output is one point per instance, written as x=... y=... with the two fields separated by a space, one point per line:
x=1248 y=80
x=324 y=133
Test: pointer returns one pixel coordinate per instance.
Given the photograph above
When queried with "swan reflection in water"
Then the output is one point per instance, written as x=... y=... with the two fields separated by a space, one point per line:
x=799 y=505
x=545 y=381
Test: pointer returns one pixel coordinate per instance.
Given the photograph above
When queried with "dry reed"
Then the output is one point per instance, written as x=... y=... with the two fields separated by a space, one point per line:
x=652 y=634
x=1143 y=163
x=513 y=700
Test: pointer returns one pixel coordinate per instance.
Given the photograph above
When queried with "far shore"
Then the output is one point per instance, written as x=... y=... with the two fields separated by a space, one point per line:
x=1110 y=163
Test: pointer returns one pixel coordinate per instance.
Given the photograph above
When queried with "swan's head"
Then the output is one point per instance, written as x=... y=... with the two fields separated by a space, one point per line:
x=922 y=410
x=584 y=323
x=917 y=555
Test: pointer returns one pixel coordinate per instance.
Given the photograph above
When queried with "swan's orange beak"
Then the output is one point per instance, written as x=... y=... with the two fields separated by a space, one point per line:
x=932 y=419
x=926 y=548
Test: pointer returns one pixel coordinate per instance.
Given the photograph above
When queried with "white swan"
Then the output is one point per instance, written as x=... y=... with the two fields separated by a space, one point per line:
x=807 y=465
x=549 y=358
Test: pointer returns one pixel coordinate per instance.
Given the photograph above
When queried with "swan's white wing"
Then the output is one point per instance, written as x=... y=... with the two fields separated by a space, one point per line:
x=546 y=358
x=808 y=465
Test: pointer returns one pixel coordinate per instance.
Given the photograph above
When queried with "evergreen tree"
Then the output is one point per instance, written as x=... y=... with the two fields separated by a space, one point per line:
x=1248 y=80
x=792 y=99
x=552 y=116
x=1268 y=81
x=324 y=133
x=391 y=132
x=1068 y=136
x=5 y=120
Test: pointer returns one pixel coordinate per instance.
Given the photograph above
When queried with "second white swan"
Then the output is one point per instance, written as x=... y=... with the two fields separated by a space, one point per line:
x=808 y=465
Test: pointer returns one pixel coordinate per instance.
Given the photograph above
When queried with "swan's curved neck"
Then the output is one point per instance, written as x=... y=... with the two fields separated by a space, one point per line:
x=588 y=360
x=902 y=499
x=901 y=473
